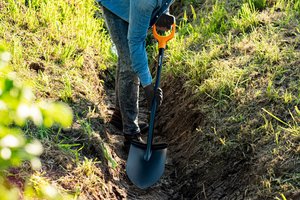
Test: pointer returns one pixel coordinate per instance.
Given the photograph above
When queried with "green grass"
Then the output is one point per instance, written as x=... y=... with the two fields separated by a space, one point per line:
x=242 y=65
x=62 y=35
x=204 y=57
x=59 y=48
x=246 y=18
x=66 y=40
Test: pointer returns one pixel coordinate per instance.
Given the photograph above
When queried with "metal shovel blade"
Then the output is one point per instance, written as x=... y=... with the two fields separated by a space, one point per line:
x=145 y=173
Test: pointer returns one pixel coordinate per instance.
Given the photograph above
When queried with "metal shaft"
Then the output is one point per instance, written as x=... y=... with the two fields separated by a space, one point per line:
x=154 y=106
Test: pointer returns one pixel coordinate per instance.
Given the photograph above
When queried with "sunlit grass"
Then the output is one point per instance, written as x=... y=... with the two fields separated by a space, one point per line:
x=69 y=47
x=237 y=62
x=41 y=188
x=62 y=32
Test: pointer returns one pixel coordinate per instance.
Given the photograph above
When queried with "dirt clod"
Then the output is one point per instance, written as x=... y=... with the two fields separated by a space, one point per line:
x=37 y=66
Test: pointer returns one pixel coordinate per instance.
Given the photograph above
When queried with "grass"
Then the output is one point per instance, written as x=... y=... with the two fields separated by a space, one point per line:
x=88 y=130
x=65 y=35
x=204 y=56
x=90 y=184
x=240 y=64
x=59 y=48
x=41 y=188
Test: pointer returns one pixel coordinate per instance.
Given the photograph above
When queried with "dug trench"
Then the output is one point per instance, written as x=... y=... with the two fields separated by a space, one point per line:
x=192 y=171
x=199 y=166
x=203 y=167
x=88 y=159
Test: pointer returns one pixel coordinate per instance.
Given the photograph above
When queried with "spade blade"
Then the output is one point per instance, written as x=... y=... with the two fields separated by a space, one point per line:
x=145 y=173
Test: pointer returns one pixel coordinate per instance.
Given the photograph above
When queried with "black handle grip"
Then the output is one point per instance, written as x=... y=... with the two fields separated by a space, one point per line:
x=165 y=21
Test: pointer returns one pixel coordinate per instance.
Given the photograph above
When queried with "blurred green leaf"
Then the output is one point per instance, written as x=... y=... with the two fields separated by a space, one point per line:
x=16 y=107
x=56 y=112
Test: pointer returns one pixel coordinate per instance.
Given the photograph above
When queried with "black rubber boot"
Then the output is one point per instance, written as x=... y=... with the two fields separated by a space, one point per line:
x=116 y=121
x=128 y=138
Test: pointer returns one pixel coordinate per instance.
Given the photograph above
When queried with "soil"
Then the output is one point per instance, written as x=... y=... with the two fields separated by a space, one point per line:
x=190 y=173
x=197 y=166
x=123 y=188
x=111 y=183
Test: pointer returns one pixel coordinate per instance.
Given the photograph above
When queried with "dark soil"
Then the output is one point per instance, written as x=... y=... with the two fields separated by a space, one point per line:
x=205 y=169
x=197 y=167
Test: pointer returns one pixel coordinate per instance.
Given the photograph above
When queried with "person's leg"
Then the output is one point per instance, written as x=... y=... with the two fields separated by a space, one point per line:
x=127 y=83
x=140 y=13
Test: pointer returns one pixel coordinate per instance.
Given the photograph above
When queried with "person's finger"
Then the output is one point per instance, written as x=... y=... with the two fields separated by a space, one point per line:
x=159 y=96
x=162 y=28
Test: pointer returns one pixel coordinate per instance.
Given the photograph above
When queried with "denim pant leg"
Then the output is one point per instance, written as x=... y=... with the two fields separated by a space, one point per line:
x=127 y=82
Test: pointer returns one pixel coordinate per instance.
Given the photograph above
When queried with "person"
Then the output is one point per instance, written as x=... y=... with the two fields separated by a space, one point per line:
x=128 y=22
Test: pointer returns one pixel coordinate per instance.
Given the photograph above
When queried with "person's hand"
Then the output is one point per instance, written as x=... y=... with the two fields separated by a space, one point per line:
x=165 y=22
x=149 y=92
x=159 y=28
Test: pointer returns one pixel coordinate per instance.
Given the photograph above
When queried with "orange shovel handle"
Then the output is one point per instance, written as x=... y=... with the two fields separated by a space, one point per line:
x=162 y=40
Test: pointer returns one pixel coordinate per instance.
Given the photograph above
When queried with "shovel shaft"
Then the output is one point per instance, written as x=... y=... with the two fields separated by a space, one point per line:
x=154 y=106
x=162 y=42
x=146 y=162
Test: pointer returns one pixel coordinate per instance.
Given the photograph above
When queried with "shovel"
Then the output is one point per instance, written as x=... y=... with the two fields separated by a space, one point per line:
x=146 y=162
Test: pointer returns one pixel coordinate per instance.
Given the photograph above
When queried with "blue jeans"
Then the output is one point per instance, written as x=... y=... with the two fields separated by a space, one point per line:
x=127 y=82
x=140 y=14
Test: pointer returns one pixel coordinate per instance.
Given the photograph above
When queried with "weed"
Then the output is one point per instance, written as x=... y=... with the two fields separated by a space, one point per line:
x=246 y=19
x=43 y=133
x=223 y=78
x=282 y=196
x=287 y=97
x=297 y=6
x=217 y=19
x=258 y=4
x=267 y=49
x=92 y=135
x=279 y=5
x=67 y=92
x=87 y=166
x=87 y=127
x=291 y=128
x=271 y=92
x=72 y=149
x=41 y=188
